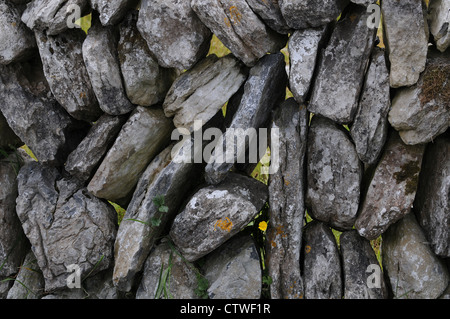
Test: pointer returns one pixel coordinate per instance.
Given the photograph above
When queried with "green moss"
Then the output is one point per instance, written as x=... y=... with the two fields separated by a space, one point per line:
x=409 y=173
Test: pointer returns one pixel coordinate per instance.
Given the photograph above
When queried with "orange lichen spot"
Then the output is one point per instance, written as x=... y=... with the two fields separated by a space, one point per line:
x=82 y=95
x=308 y=249
x=235 y=15
x=224 y=224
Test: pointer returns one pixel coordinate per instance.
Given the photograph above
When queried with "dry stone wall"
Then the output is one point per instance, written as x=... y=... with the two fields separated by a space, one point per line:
x=137 y=115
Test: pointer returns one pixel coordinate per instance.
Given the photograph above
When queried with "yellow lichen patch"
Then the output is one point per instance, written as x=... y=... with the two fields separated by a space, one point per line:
x=307 y=249
x=224 y=224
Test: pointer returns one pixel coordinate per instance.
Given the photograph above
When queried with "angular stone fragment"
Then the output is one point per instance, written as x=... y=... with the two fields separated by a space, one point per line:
x=413 y=270
x=439 y=21
x=16 y=41
x=432 y=202
x=216 y=213
x=234 y=271
x=304 y=49
x=264 y=89
x=370 y=127
x=52 y=15
x=146 y=83
x=180 y=275
x=422 y=112
x=66 y=73
x=305 y=14
x=359 y=262
x=82 y=162
x=7 y=136
x=321 y=265
x=287 y=203
x=269 y=11
x=239 y=28
x=199 y=93
x=112 y=11
x=102 y=63
x=189 y=38
x=341 y=72
x=143 y=136
x=393 y=187
x=64 y=224
x=406 y=39
x=334 y=174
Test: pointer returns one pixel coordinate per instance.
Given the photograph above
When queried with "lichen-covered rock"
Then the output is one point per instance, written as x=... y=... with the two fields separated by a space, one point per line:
x=439 y=20
x=269 y=11
x=112 y=11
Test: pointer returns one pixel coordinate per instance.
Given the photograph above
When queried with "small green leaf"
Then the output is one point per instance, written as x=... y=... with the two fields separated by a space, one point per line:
x=163 y=209
x=155 y=221
x=158 y=200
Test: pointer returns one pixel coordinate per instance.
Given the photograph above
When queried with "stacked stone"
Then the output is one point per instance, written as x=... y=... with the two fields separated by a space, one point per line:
x=361 y=148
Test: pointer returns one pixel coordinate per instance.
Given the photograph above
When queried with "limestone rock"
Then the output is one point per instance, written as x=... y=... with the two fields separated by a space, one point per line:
x=16 y=41
x=199 y=93
x=270 y=12
x=216 y=213
x=189 y=38
x=102 y=63
x=439 y=21
x=413 y=270
x=334 y=174
x=146 y=83
x=432 y=202
x=422 y=112
x=287 y=203
x=142 y=137
x=392 y=189
x=406 y=39
x=321 y=265
x=239 y=28
x=370 y=128
x=112 y=11
x=343 y=64
x=234 y=271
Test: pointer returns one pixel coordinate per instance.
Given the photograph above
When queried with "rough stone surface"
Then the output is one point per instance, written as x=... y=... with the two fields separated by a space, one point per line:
x=422 y=112
x=322 y=266
x=189 y=38
x=439 y=20
x=64 y=224
x=334 y=174
x=143 y=136
x=287 y=203
x=112 y=11
x=406 y=39
x=370 y=127
x=392 y=189
x=269 y=11
x=234 y=271
x=432 y=202
x=264 y=89
x=239 y=28
x=413 y=270
x=16 y=41
x=357 y=256
x=216 y=213
x=70 y=85
x=102 y=63
x=309 y=13
x=146 y=83
x=343 y=64
x=199 y=93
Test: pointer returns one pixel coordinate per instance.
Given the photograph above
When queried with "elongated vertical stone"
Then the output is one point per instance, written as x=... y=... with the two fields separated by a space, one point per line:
x=439 y=21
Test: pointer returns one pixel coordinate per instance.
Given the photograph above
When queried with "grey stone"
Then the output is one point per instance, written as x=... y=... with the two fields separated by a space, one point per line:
x=321 y=265
x=364 y=2
x=439 y=20
x=269 y=11
x=305 y=14
x=357 y=256
x=334 y=174
x=370 y=127
x=422 y=112
x=432 y=202
x=70 y=85
x=233 y=270
x=4 y=288
x=7 y=136
x=112 y=11
x=199 y=93
x=239 y=28
x=16 y=41
x=287 y=203
x=406 y=39
x=102 y=63
x=181 y=276
x=83 y=161
x=216 y=213
x=343 y=64
x=143 y=136
x=304 y=51
x=413 y=270
x=391 y=191
x=146 y=83
x=189 y=38
x=263 y=90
